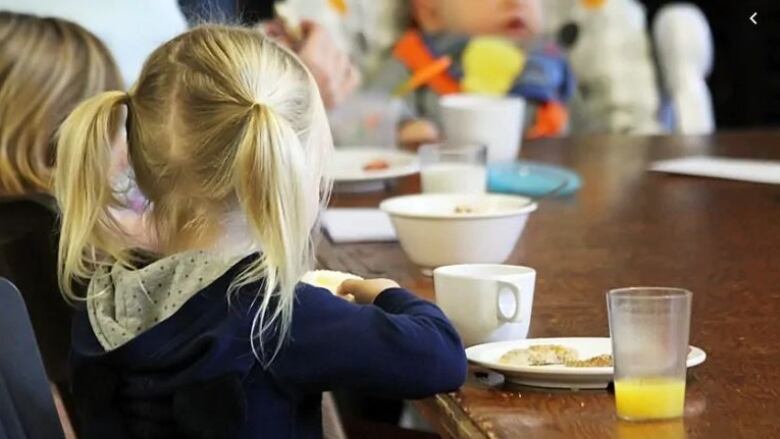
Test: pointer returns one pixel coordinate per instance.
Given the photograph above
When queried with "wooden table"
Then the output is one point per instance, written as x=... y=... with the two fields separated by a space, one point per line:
x=720 y=239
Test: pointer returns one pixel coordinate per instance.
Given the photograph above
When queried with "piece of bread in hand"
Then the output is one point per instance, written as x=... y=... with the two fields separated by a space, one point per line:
x=330 y=280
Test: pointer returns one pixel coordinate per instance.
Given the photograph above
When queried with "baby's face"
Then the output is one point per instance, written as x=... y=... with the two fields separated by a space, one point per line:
x=515 y=19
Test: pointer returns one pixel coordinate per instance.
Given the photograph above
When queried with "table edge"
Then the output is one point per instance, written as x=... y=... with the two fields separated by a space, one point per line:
x=451 y=420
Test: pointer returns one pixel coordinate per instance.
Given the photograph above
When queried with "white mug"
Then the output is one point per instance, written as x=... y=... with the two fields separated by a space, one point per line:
x=486 y=302
x=496 y=122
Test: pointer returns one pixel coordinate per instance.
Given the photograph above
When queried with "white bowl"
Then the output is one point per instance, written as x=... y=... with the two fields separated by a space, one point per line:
x=432 y=234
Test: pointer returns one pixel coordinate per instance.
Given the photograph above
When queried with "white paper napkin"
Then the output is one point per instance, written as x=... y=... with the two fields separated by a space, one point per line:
x=758 y=171
x=358 y=225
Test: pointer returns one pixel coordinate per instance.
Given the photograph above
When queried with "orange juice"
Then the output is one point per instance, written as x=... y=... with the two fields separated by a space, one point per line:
x=650 y=398
x=674 y=429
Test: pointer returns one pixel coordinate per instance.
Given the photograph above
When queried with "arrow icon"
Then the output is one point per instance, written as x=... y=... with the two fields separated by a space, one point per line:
x=753 y=18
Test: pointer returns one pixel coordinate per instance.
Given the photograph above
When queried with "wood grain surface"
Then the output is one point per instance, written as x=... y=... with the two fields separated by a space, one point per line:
x=629 y=227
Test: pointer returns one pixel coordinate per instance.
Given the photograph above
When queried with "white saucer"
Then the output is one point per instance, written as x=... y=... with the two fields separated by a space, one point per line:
x=557 y=376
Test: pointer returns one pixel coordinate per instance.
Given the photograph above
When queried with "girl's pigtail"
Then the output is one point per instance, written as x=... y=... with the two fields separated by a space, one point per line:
x=270 y=179
x=90 y=235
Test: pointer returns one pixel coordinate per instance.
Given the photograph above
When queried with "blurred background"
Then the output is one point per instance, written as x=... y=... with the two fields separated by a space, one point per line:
x=634 y=67
x=745 y=78
x=698 y=65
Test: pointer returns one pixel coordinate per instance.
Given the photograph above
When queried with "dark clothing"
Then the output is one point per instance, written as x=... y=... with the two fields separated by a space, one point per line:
x=27 y=409
x=195 y=374
x=233 y=11
x=745 y=82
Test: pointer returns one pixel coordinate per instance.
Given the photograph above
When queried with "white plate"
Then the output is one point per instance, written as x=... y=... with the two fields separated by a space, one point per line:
x=557 y=376
x=346 y=167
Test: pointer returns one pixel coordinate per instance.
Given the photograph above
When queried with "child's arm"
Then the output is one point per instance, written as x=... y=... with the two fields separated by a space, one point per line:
x=400 y=346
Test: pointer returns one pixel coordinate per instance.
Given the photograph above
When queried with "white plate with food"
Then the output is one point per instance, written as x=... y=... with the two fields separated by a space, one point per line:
x=362 y=169
x=568 y=363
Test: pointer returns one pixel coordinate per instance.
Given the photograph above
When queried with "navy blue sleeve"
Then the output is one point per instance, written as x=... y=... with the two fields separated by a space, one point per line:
x=399 y=347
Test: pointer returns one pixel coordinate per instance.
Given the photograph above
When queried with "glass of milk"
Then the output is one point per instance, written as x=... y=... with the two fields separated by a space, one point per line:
x=453 y=168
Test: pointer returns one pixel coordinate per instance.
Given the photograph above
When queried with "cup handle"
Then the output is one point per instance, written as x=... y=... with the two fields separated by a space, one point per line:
x=515 y=290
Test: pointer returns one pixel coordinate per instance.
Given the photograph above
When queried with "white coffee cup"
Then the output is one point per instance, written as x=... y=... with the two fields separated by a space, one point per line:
x=496 y=122
x=486 y=302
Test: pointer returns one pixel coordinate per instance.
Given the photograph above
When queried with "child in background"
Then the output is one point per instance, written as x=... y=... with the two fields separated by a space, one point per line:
x=211 y=335
x=130 y=29
x=47 y=66
x=477 y=46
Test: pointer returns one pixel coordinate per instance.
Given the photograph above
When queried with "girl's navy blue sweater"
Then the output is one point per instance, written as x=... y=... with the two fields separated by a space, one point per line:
x=195 y=374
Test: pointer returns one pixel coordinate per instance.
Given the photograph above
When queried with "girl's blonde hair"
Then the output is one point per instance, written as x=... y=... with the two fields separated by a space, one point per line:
x=47 y=66
x=221 y=120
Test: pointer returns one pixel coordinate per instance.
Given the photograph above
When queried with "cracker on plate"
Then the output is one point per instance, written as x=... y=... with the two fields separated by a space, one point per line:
x=539 y=355
x=597 y=361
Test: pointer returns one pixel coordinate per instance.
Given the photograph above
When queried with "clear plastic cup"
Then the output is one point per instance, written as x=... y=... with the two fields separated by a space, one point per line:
x=649 y=329
x=453 y=168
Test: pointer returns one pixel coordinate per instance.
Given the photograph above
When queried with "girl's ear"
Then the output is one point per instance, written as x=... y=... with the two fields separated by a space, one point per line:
x=428 y=15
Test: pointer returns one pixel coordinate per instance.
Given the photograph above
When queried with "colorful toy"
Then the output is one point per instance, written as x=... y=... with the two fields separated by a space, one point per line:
x=413 y=52
x=492 y=66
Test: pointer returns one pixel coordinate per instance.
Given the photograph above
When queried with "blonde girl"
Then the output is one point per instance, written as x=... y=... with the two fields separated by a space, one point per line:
x=227 y=137
x=47 y=66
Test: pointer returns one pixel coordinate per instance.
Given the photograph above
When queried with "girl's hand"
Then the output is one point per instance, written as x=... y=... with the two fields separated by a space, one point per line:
x=365 y=291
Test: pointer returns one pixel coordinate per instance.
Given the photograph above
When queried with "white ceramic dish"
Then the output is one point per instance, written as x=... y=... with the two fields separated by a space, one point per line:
x=496 y=122
x=558 y=376
x=346 y=168
x=432 y=234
